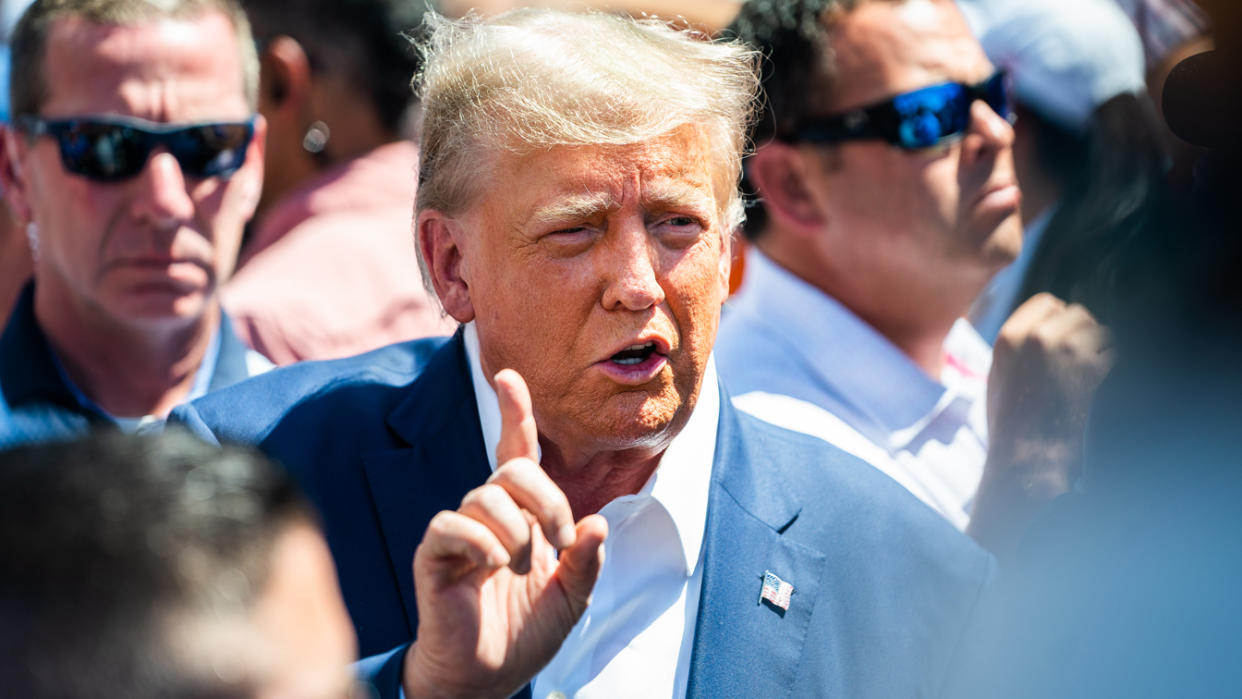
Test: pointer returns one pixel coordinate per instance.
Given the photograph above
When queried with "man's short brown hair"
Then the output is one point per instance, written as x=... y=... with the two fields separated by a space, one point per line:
x=28 y=88
x=798 y=72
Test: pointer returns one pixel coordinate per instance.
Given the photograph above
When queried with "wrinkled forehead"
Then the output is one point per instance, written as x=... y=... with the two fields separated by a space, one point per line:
x=162 y=68
x=883 y=48
x=681 y=166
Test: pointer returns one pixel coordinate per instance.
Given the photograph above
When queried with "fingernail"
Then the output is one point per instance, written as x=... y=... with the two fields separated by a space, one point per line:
x=567 y=534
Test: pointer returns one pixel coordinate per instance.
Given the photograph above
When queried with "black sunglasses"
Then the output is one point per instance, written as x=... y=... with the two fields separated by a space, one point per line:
x=920 y=118
x=113 y=148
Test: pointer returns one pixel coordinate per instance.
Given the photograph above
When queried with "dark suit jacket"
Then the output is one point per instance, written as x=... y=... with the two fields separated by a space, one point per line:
x=36 y=402
x=383 y=441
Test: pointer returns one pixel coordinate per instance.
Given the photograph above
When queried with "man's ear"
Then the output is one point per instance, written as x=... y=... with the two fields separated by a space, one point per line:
x=252 y=185
x=439 y=241
x=284 y=80
x=780 y=173
x=12 y=173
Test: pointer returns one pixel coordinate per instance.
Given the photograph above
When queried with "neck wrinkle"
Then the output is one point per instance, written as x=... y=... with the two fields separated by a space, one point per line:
x=591 y=484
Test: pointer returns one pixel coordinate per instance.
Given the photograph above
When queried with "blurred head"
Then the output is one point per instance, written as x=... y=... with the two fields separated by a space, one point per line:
x=888 y=227
x=577 y=189
x=138 y=220
x=360 y=42
x=162 y=567
x=335 y=81
x=1065 y=59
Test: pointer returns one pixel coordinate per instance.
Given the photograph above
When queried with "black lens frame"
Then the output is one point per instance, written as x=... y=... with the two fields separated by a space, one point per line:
x=113 y=148
x=884 y=120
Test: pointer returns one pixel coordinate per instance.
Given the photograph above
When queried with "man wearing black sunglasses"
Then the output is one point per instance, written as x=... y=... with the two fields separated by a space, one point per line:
x=134 y=160
x=885 y=166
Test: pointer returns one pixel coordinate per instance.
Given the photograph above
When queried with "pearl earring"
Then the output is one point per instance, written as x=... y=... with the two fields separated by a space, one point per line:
x=316 y=138
x=32 y=237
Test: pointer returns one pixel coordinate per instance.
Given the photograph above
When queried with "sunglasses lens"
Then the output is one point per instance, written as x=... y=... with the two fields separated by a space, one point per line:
x=103 y=151
x=930 y=115
x=996 y=94
x=108 y=151
x=211 y=150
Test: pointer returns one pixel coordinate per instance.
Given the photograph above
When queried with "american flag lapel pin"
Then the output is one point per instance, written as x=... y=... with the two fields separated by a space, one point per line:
x=776 y=591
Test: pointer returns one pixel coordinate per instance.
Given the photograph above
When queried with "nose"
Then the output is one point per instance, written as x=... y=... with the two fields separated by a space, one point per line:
x=162 y=200
x=992 y=131
x=630 y=271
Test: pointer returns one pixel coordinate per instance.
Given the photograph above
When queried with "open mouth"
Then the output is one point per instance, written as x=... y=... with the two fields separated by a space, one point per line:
x=634 y=354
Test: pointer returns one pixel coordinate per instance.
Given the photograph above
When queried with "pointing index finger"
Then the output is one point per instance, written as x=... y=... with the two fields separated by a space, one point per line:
x=519 y=438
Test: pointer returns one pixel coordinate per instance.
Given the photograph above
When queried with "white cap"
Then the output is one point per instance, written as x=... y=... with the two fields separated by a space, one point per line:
x=1065 y=57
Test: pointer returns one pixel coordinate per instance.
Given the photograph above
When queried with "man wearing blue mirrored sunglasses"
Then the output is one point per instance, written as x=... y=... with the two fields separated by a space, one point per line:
x=884 y=164
x=134 y=160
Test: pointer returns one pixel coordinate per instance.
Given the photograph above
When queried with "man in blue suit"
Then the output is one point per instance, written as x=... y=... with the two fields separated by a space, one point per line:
x=585 y=512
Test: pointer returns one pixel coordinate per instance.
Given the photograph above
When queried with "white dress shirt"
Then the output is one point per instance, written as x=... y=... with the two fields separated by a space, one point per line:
x=791 y=355
x=636 y=635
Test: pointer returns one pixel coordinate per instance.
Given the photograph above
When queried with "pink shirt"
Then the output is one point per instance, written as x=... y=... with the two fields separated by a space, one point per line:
x=331 y=270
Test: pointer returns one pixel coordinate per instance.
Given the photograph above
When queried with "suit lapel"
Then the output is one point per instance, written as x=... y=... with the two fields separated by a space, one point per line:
x=442 y=459
x=748 y=509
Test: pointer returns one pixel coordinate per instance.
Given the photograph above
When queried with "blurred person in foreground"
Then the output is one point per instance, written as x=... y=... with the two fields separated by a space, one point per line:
x=1128 y=586
x=888 y=199
x=1088 y=149
x=329 y=269
x=134 y=160
x=578 y=186
x=158 y=567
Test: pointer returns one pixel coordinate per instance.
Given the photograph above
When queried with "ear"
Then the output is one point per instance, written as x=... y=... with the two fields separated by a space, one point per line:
x=284 y=80
x=780 y=173
x=13 y=149
x=439 y=241
x=252 y=172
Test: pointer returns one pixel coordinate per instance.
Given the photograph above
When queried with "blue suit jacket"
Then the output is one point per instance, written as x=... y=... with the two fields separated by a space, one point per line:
x=383 y=441
x=36 y=402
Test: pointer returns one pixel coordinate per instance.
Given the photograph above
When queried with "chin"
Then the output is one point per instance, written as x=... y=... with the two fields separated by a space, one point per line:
x=164 y=308
x=1005 y=243
x=634 y=419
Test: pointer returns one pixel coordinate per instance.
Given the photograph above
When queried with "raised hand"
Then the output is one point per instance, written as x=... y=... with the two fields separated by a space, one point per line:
x=494 y=601
x=1049 y=360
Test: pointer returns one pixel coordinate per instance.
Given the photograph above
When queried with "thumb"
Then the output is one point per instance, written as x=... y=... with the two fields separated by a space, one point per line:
x=579 y=564
x=518 y=435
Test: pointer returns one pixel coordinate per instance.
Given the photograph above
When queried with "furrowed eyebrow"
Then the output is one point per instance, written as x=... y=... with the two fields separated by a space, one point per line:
x=577 y=207
x=676 y=194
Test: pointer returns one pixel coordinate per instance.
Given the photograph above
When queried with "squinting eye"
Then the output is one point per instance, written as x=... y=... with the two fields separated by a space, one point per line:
x=682 y=221
x=568 y=241
x=568 y=233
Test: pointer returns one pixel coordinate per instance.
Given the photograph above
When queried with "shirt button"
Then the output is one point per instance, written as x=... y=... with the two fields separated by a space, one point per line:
x=556 y=694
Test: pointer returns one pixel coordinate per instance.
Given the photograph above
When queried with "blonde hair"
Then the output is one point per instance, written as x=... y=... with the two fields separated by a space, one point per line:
x=534 y=79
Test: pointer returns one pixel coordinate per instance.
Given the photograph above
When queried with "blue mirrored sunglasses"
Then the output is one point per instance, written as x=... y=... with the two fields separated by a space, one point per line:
x=920 y=118
x=112 y=148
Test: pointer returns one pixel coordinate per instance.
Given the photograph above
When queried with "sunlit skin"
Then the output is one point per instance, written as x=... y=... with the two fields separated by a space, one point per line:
x=132 y=267
x=597 y=249
x=895 y=226
x=301 y=622
x=292 y=639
